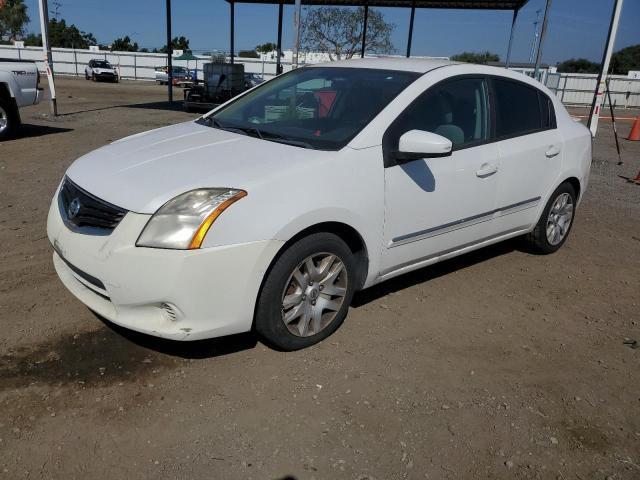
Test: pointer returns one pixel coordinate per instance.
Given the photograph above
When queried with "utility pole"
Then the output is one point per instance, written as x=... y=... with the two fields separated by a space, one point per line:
x=296 y=29
x=48 y=58
x=543 y=34
x=535 y=36
x=604 y=69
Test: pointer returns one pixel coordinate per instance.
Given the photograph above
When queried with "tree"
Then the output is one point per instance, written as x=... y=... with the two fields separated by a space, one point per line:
x=124 y=45
x=13 y=18
x=474 y=57
x=248 y=54
x=33 y=40
x=266 y=47
x=68 y=36
x=178 y=43
x=626 y=59
x=338 y=32
x=579 y=65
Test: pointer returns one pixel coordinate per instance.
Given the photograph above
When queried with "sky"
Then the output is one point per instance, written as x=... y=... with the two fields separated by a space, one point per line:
x=577 y=28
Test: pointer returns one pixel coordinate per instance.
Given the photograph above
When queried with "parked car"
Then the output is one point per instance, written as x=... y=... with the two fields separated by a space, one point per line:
x=252 y=79
x=100 y=70
x=19 y=87
x=268 y=213
x=180 y=75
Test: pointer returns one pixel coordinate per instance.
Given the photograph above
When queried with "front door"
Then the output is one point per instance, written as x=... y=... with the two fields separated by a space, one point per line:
x=437 y=205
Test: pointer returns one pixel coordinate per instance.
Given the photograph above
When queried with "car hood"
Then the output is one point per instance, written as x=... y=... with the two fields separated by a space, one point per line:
x=142 y=172
x=104 y=70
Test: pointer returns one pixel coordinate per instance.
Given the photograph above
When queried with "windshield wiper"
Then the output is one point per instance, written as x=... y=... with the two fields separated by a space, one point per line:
x=261 y=134
x=276 y=137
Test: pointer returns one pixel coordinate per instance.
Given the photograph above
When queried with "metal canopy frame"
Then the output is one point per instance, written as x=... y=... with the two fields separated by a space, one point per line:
x=513 y=5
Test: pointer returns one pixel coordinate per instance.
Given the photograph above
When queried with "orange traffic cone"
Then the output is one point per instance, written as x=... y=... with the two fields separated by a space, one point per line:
x=635 y=130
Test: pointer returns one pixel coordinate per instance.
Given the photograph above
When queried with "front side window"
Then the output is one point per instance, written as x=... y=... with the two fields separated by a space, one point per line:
x=517 y=107
x=314 y=107
x=456 y=109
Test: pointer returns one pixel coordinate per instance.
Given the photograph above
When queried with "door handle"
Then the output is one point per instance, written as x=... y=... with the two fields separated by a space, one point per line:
x=486 y=169
x=553 y=151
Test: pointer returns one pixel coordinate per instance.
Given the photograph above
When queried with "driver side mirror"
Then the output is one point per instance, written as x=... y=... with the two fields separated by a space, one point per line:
x=417 y=144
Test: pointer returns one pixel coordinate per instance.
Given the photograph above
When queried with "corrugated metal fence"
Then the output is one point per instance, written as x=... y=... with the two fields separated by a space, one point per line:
x=573 y=89
x=577 y=89
x=131 y=65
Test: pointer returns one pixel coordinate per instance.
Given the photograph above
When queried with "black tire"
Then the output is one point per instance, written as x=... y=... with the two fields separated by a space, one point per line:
x=537 y=239
x=86 y=76
x=269 y=322
x=9 y=113
x=93 y=77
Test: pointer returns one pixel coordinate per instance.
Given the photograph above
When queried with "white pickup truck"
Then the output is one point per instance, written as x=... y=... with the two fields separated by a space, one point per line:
x=19 y=87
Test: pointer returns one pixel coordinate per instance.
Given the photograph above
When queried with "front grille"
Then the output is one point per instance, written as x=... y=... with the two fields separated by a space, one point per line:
x=81 y=209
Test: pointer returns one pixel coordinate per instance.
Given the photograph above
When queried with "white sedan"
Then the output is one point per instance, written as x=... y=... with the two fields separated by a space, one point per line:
x=268 y=213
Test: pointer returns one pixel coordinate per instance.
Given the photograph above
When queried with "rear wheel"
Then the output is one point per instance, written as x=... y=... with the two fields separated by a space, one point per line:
x=307 y=292
x=555 y=223
x=9 y=119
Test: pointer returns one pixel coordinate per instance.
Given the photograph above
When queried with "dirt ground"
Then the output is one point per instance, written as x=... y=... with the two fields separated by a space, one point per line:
x=498 y=364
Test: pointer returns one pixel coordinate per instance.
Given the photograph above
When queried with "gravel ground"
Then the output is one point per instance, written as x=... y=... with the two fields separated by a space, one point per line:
x=497 y=364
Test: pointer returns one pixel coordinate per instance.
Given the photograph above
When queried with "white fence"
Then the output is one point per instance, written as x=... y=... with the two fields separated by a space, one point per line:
x=131 y=65
x=577 y=89
x=573 y=89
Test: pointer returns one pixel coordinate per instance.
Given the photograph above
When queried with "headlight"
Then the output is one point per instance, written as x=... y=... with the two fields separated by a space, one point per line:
x=183 y=222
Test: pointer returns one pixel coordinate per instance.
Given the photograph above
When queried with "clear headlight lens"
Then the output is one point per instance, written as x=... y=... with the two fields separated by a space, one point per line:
x=183 y=222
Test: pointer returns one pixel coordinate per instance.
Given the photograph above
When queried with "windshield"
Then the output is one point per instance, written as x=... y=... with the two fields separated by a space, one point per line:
x=314 y=107
x=102 y=64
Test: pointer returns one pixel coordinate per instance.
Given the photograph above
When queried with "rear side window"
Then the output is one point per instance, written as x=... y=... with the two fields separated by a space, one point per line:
x=517 y=109
x=547 y=112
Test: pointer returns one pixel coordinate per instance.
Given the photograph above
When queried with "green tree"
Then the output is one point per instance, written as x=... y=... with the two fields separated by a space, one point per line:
x=338 y=32
x=266 y=47
x=68 y=36
x=248 y=54
x=123 y=45
x=626 y=59
x=474 y=57
x=13 y=18
x=177 y=43
x=579 y=65
x=33 y=40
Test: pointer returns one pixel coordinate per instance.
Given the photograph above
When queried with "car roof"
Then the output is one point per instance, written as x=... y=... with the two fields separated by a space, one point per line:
x=419 y=65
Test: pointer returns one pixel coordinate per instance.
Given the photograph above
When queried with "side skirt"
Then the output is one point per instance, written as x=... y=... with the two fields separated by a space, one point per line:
x=446 y=254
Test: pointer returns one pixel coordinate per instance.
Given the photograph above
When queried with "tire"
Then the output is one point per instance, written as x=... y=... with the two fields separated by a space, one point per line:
x=559 y=226
x=324 y=312
x=93 y=77
x=9 y=119
x=86 y=76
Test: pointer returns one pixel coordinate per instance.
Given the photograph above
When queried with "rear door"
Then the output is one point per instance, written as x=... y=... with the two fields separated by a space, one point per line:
x=530 y=148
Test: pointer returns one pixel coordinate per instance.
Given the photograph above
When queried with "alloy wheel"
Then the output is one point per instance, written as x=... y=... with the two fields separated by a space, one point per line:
x=559 y=219
x=314 y=294
x=4 y=120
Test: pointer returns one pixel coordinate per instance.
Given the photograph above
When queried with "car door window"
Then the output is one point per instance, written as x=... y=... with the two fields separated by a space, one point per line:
x=456 y=109
x=518 y=109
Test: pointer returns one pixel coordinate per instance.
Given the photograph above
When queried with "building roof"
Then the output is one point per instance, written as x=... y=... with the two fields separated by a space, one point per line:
x=458 y=4
x=420 y=65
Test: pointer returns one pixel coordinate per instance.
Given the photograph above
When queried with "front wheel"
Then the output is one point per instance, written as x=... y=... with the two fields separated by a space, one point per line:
x=306 y=294
x=8 y=119
x=555 y=223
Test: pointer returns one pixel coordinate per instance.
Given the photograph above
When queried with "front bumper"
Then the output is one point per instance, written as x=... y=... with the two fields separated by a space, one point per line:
x=106 y=76
x=175 y=294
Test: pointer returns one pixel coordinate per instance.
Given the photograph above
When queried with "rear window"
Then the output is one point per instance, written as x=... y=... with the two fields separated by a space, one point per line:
x=518 y=109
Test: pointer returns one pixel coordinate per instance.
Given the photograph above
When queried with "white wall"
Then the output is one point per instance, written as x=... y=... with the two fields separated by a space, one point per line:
x=573 y=89
x=131 y=65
